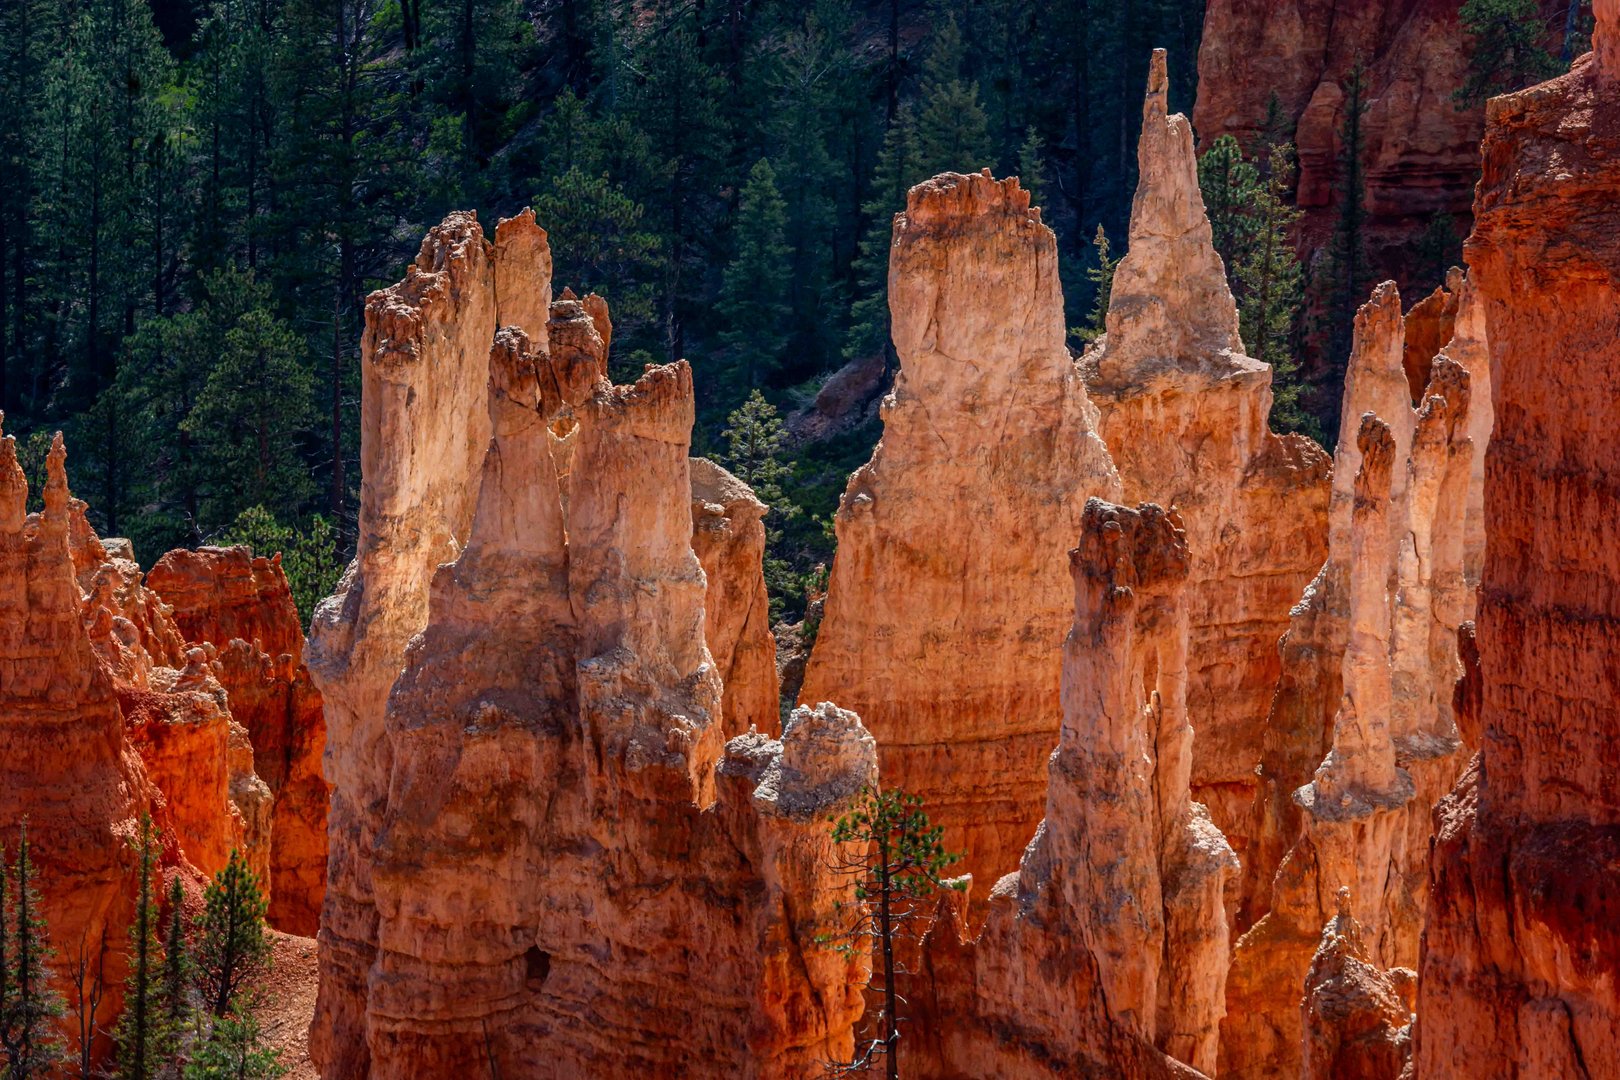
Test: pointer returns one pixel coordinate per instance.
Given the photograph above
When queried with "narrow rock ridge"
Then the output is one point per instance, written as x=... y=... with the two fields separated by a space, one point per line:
x=1111 y=938
x=571 y=872
x=1518 y=968
x=1184 y=412
x=944 y=635
x=1370 y=666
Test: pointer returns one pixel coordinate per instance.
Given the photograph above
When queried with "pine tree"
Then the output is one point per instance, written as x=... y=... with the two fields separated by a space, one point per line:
x=897 y=862
x=1507 y=49
x=1102 y=280
x=1032 y=167
x=1272 y=290
x=139 y=1033
x=234 y=949
x=1437 y=249
x=1230 y=186
x=952 y=131
x=29 y=1007
x=235 y=1050
x=174 y=996
x=309 y=554
x=898 y=168
x=755 y=287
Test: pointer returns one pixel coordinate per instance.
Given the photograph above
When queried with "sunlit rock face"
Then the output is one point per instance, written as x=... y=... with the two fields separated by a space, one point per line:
x=558 y=827
x=949 y=596
x=1518 y=971
x=1184 y=412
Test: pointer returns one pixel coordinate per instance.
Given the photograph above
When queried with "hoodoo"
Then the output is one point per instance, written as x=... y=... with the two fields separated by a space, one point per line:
x=1185 y=414
x=1520 y=948
x=948 y=597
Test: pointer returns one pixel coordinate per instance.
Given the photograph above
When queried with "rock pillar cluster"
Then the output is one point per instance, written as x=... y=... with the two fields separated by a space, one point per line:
x=559 y=865
x=1370 y=667
x=1108 y=949
x=1184 y=412
x=1520 y=956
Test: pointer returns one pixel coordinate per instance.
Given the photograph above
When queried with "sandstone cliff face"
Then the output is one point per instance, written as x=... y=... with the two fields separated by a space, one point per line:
x=569 y=871
x=943 y=633
x=1111 y=938
x=1357 y=1017
x=242 y=606
x=1370 y=665
x=1518 y=973
x=64 y=762
x=1422 y=155
x=1184 y=412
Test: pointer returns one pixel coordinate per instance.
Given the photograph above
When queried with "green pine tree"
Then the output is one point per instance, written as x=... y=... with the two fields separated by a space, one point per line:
x=1032 y=167
x=952 y=131
x=235 y=1050
x=1230 y=186
x=754 y=291
x=175 y=989
x=898 y=168
x=755 y=440
x=29 y=1006
x=1507 y=50
x=139 y=1033
x=309 y=554
x=234 y=949
x=1102 y=281
x=1273 y=291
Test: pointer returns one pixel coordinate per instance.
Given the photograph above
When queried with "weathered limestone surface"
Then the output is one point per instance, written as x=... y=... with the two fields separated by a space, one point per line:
x=1111 y=938
x=242 y=607
x=570 y=872
x=1358 y=1018
x=728 y=534
x=948 y=597
x=1184 y=412
x=1521 y=955
x=1385 y=611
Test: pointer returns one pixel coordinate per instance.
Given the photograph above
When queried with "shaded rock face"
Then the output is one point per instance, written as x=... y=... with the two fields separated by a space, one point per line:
x=1518 y=972
x=1184 y=412
x=242 y=606
x=1370 y=666
x=1422 y=152
x=570 y=872
x=948 y=597
x=1106 y=953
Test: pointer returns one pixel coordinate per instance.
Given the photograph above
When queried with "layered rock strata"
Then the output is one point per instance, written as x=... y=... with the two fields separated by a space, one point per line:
x=1385 y=612
x=1184 y=412
x=65 y=765
x=1106 y=953
x=948 y=597
x=1520 y=958
x=570 y=871
x=242 y=606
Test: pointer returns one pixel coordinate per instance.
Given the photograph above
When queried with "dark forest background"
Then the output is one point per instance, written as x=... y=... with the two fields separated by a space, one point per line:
x=199 y=194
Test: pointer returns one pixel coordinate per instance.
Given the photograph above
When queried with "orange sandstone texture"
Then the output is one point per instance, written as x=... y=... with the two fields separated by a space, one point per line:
x=566 y=869
x=1521 y=954
x=1374 y=641
x=243 y=607
x=949 y=596
x=1184 y=412
x=1106 y=953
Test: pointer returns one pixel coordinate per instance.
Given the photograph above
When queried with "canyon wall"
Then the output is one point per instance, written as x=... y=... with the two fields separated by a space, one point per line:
x=948 y=598
x=570 y=870
x=1185 y=414
x=1370 y=665
x=1518 y=969
x=1422 y=151
x=1106 y=953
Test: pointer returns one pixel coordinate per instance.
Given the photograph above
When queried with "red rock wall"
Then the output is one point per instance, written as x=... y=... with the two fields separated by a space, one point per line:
x=1519 y=973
